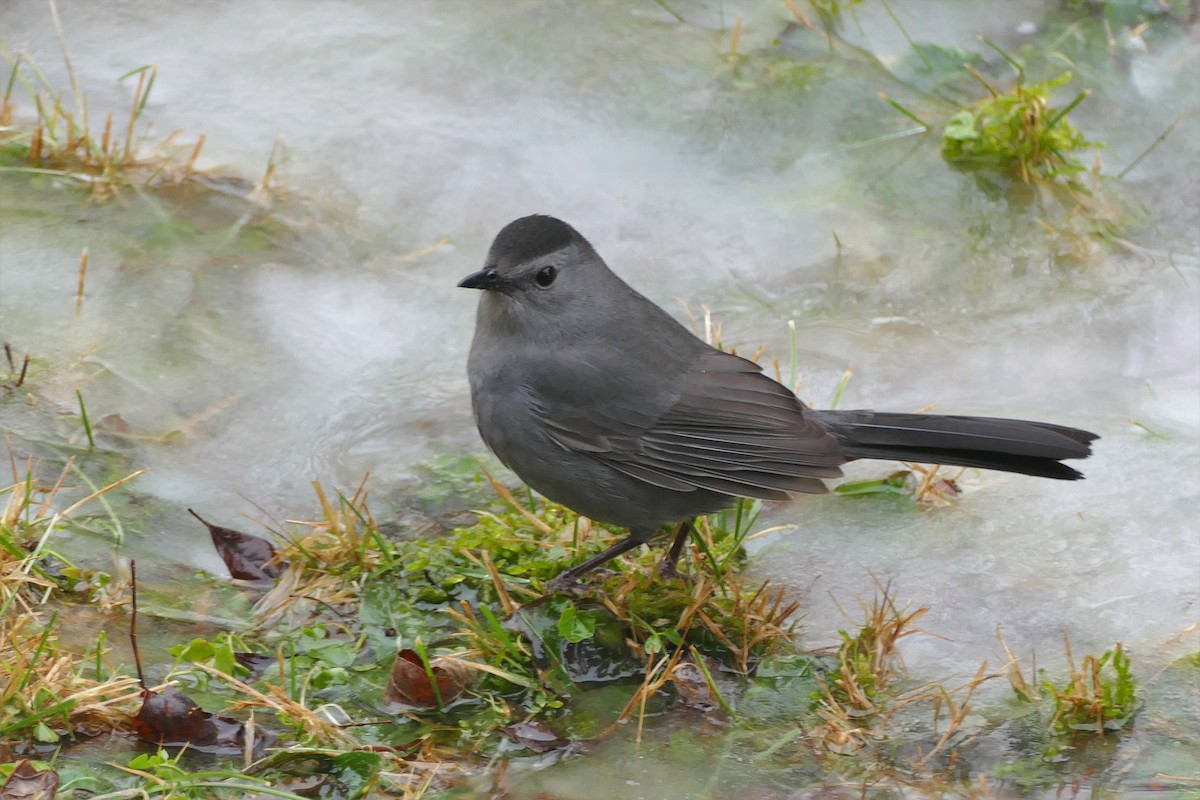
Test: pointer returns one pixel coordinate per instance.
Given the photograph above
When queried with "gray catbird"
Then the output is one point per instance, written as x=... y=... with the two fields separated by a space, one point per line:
x=602 y=402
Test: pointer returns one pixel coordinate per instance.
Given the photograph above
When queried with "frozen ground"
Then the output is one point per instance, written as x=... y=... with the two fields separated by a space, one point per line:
x=409 y=122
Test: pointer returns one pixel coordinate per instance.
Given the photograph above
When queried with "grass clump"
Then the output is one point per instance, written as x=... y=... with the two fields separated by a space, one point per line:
x=46 y=693
x=1018 y=132
x=60 y=139
x=857 y=691
x=1100 y=695
x=867 y=659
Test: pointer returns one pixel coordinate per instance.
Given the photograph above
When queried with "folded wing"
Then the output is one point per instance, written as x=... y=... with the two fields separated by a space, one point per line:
x=727 y=428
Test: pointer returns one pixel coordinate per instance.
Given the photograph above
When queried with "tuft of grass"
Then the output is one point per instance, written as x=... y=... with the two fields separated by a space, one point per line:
x=857 y=693
x=45 y=693
x=1018 y=132
x=867 y=661
x=1099 y=696
x=60 y=139
x=861 y=693
x=329 y=563
x=55 y=135
x=737 y=624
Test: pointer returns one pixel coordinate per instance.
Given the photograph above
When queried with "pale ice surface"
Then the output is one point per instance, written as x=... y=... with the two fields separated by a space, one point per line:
x=409 y=122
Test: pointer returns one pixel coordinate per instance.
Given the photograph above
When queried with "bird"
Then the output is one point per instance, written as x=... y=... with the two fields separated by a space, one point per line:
x=601 y=401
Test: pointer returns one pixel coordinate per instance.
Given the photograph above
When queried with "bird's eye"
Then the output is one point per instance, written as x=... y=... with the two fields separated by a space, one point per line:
x=546 y=276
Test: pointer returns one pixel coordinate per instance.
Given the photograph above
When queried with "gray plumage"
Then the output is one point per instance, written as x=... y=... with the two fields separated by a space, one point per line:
x=601 y=401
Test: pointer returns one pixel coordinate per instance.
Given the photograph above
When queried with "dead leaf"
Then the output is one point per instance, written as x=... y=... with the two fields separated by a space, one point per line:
x=256 y=663
x=249 y=558
x=27 y=782
x=690 y=683
x=172 y=718
x=409 y=684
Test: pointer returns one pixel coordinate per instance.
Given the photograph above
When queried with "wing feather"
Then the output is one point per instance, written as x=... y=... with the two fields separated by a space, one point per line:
x=730 y=429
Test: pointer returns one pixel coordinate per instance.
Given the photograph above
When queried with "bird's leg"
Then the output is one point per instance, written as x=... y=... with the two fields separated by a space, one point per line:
x=567 y=578
x=668 y=567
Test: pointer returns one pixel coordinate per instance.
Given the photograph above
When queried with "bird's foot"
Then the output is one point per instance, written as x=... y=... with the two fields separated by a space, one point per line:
x=668 y=569
x=565 y=584
x=570 y=585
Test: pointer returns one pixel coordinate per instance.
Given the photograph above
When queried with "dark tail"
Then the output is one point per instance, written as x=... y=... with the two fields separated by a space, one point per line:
x=1009 y=445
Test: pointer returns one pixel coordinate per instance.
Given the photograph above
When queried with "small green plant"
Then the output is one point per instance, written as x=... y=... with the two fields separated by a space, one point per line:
x=574 y=627
x=866 y=660
x=1095 y=699
x=219 y=652
x=1018 y=132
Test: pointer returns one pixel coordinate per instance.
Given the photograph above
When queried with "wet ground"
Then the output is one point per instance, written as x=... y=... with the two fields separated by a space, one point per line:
x=238 y=357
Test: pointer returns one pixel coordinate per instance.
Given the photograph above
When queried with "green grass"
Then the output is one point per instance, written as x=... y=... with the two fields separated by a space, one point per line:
x=1018 y=132
x=352 y=597
x=1100 y=696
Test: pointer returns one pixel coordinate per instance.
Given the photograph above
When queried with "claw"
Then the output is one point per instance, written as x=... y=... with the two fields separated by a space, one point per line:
x=668 y=569
x=567 y=585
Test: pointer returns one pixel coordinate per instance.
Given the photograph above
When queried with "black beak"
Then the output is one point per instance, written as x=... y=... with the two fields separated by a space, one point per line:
x=484 y=279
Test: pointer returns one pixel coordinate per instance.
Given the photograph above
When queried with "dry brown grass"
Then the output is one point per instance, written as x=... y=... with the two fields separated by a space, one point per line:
x=54 y=135
x=59 y=139
x=43 y=690
x=328 y=564
x=862 y=696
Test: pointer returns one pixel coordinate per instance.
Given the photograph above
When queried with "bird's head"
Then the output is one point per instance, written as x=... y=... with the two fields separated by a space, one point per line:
x=539 y=275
